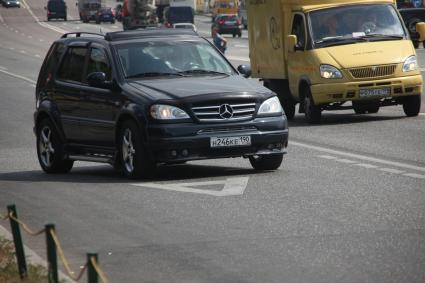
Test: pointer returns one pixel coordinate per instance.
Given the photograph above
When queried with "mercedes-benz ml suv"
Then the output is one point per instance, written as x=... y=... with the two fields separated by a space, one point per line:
x=139 y=98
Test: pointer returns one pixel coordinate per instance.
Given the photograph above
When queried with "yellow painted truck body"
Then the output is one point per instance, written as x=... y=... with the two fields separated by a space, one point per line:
x=369 y=61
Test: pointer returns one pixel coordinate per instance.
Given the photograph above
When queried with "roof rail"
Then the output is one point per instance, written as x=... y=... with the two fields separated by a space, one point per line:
x=78 y=34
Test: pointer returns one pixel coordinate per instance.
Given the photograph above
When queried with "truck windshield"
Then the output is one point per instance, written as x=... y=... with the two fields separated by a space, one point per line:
x=359 y=23
x=171 y=59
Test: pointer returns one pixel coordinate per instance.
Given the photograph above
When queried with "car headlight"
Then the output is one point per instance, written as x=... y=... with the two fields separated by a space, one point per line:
x=271 y=106
x=8 y=3
x=330 y=72
x=167 y=112
x=411 y=64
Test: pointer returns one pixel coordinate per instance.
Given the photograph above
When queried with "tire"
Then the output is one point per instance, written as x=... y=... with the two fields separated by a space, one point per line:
x=234 y=35
x=97 y=22
x=415 y=44
x=240 y=35
x=133 y=157
x=113 y=22
x=65 y=19
x=50 y=151
x=285 y=98
x=266 y=162
x=412 y=105
x=313 y=113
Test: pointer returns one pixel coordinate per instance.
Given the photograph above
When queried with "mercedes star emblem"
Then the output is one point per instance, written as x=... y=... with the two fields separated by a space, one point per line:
x=226 y=111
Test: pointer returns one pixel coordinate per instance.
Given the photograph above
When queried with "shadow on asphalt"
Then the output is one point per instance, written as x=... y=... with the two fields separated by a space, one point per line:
x=106 y=174
x=342 y=119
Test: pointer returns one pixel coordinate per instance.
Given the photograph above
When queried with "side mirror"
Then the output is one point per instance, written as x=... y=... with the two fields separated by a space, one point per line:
x=97 y=79
x=420 y=29
x=292 y=43
x=245 y=70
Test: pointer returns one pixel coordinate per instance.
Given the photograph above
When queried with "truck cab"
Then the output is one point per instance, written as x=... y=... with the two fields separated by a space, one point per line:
x=324 y=55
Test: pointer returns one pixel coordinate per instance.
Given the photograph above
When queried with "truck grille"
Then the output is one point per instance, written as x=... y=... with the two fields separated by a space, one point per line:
x=373 y=71
x=224 y=112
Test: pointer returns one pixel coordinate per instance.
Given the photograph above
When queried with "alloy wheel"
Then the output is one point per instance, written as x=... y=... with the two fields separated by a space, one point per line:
x=45 y=146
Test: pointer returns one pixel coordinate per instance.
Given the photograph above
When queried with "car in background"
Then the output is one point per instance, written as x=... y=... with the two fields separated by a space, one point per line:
x=56 y=9
x=228 y=24
x=186 y=26
x=179 y=14
x=105 y=15
x=11 y=3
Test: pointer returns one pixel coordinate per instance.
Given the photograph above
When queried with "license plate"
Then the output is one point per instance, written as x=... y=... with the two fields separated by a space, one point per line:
x=230 y=141
x=229 y=23
x=375 y=92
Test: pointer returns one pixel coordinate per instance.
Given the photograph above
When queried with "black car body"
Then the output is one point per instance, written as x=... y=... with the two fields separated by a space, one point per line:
x=114 y=99
x=11 y=3
x=175 y=15
x=105 y=15
x=412 y=16
x=56 y=9
x=228 y=24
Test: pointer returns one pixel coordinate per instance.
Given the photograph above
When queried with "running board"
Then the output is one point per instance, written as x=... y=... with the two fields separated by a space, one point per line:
x=92 y=158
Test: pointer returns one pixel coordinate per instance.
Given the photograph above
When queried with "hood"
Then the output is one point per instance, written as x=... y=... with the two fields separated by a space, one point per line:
x=368 y=53
x=187 y=87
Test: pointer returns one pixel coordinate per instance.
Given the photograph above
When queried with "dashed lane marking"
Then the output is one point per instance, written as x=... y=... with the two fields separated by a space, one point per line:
x=1 y=20
x=32 y=82
x=366 y=165
x=414 y=175
x=391 y=170
x=59 y=30
x=236 y=58
x=347 y=161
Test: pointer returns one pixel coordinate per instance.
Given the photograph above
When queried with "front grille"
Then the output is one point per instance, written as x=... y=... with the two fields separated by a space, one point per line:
x=221 y=130
x=373 y=71
x=211 y=113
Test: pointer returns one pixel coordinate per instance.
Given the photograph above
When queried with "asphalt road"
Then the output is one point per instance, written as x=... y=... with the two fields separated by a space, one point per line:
x=347 y=204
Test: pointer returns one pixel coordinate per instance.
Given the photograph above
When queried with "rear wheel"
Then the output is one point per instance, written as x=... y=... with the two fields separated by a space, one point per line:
x=133 y=158
x=412 y=105
x=266 y=162
x=312 y=112
x=50 y=152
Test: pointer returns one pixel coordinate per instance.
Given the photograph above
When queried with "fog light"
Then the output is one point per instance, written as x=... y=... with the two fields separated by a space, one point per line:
x=278 y=145
x=173 y=153
x=185 y=152
x=270 y=146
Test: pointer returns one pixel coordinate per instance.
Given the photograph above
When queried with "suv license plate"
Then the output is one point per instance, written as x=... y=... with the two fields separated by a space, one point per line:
x=375 y=92
x=230 y=141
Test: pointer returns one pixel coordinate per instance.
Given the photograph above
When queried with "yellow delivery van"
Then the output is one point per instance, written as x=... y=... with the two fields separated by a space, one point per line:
x=224 y=7
x=324 y=54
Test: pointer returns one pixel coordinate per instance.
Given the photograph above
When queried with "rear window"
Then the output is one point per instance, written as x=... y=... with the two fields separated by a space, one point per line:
x=180 y=15
x=229 y=18
x=56 y=5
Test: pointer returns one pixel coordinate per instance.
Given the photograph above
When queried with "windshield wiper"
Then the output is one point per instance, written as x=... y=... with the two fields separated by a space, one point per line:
x=383 y=36
x=154 y=74
x=200 y=71
x=338 y=39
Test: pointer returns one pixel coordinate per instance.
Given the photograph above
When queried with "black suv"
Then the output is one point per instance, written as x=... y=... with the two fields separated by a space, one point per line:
x=139 y=98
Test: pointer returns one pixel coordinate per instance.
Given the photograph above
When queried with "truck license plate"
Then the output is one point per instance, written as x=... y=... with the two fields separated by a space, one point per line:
x=230 y=141
x=375 y=92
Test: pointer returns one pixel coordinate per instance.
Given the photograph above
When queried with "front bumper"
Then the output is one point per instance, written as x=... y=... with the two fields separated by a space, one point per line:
x=183 y=142
x=229 y=30
x=349 y=91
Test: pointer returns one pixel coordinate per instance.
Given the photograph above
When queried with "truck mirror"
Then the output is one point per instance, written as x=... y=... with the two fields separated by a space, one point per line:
x=420 y=28
x=292 y=42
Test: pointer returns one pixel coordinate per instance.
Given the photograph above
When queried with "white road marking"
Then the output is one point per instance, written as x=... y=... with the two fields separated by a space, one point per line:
x=29 y=36
x=244 y=59
x=37 y=55
x=327 y=157
x=422 y=69
x=1 y=20
x=3 y=68
x=366 y=165
x=231 y=187
x=23 y=51
x=347 y=161
x=23 y=34
x=358 y=156
x=422 y=114
x=391 y=170
x=59 y=30
x=240 y=46
x=41 y=40
x=414 y=175
x=18 y=77
x=12 y=48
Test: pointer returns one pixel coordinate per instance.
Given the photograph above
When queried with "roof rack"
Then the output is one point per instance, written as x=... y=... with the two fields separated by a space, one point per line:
x=78 y=34
x=147 y=33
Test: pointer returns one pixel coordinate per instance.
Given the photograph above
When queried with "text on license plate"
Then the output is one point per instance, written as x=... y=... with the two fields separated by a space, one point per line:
x=230 y=141
x=375 y=92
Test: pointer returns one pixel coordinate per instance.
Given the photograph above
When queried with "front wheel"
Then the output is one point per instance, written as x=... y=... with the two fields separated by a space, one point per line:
x=133 y=158
x=266 y=162
x=412 y=105
x=50 y=149
x=313 y=113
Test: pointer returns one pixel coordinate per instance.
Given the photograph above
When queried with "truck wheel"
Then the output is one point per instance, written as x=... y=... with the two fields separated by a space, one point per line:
x=415 y=44
x=412 y=105
x=133 y=158
x=281 y=88
x=240 y=34
x=50 y=150
x=312 y=112
x=234 y=35
x=266 y=162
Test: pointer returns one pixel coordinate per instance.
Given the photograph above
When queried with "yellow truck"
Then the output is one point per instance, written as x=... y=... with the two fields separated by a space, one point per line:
x=324 y=54
x=224 y=7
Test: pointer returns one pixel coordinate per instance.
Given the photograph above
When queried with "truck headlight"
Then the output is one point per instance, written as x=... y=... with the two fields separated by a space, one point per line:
x=330 y=72
x=271 y=106
x=411 y=64
x=167 y=112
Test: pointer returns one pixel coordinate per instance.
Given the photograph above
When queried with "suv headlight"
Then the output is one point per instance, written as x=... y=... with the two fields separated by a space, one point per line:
x=271 y=106
x=411 y=64
x=330 y=72
x=167 y=112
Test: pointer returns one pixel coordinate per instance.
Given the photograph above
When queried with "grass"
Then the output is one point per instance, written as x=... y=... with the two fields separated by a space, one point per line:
x=9 y=268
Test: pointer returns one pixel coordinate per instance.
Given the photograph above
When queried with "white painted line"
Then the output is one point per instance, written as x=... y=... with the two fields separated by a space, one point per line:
x=347 y=161
x=23 y=51
x=232 y=187
x=414 y=175
x=327 y=157
x=12 y=48
x=422 y=69
x=422 y=114
x=3 y=68
x=32 y=256
x=18 y=77
x=1 y=20
x=391 y=170
x=23 y=34
x=358 y=156
x=41 y=40
x=29 y=36
x=59 y=30
x=36 y=55
x=244 y=59
x=365 y=165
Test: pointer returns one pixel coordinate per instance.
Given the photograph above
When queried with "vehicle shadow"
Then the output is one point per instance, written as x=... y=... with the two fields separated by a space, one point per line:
x=343 y=118
x=106 y=174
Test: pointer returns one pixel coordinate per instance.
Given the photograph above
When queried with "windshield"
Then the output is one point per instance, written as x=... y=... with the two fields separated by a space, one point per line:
x=183 y=58
x=349 y=23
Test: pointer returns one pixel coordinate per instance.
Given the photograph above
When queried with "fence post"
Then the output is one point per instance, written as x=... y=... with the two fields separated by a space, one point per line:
x=52 y=260
x=92 y=275
x=17 y=240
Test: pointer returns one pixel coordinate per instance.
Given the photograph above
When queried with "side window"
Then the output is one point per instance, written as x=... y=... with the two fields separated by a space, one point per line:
x=298 y=29
x=98 y=62
x=73 y=65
